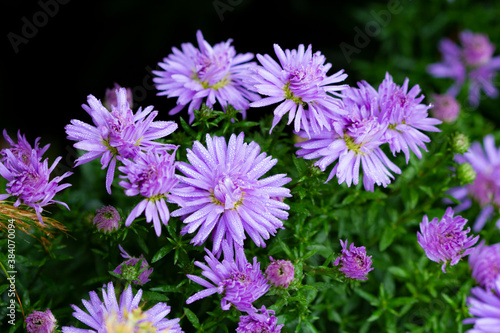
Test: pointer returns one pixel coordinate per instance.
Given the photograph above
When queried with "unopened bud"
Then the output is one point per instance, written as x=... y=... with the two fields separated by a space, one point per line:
x=459 y=143
x=465 y=173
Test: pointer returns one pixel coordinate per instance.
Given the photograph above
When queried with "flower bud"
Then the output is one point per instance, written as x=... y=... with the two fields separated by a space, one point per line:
x=465 y=173
x=107 y=219
x=41 y=322
x=280 y=273
x=445 y=108
x=459 y=143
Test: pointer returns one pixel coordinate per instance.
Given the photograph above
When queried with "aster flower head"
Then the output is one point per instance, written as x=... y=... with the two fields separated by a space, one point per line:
x=473 y=61
x=484 y=305
x=354 y=262
x=223 y=195
x=485 y=190
x=300 y=82
x=240 y=282
x=22 y=149
x=354 y=142
x=41 y=322
x=445 y=108
x=205 y=75
x=29 y=181
x=406 y=115
x=477 y=48
x=151 y=175
x=107 y=219
x=280 y=273
x=117 y=134
x=265 y=321
x=484 y=263
x=445 y=240
x=111 y=314
x=128 y=269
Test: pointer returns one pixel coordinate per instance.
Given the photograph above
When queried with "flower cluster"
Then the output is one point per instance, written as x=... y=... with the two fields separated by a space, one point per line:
x=473 y=61
x=391 y=115
x=118 y=134
x=28 y=177
x=485 y=190
x=223 y=195
x=445 y=240
x=109 y=315
x=205 y=74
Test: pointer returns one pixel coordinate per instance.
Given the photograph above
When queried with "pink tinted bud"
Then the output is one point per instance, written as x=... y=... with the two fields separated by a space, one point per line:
x=41 y=322
x=107 y=219
x=280 y=273
x=446 y=108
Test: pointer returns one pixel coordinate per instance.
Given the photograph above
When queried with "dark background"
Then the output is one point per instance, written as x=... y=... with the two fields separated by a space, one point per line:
x=87 y=46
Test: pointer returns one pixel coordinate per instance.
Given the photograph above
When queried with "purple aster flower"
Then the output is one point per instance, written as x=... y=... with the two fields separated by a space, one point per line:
x=354 y=142
x=265 y=321
x=451 y=67
x=445 y=108
x=472 y=61
x=216 y=74
x=445 y=240
x=280 y=273
x=111 y=99
x=302 y=86
x=240 y=282
x=119 y=134
x=151 y=175
x=107 y=219
x=28 y=180
x=22 y=149
x=484 y=262
x=407 y=117
x=477 y=48
x=354 y=262
x=485 y=190
x=223 y=194
x=485 y=306
x=41 y=322
x=110 y=315
x=128 y=271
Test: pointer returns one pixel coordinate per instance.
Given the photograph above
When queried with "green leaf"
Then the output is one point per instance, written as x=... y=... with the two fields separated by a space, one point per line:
x=186 y=127
x=367 y=296
x=398 y=271
x=375 y=315
x=162 y=253
x=193 y=319
x=387 y=238
x=154 y=296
